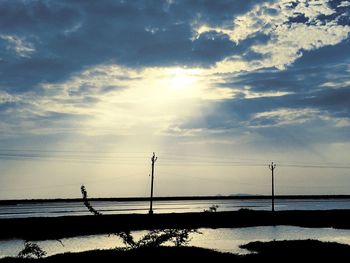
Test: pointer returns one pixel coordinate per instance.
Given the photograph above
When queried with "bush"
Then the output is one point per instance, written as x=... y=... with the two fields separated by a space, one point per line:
x=154 y=238
x=212 y=208
x=31 y=250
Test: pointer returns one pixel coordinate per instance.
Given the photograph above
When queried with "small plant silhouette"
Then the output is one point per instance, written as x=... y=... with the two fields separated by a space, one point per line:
x=212 y=208
x=87 y=203
x=31 y=250
x=154 y=238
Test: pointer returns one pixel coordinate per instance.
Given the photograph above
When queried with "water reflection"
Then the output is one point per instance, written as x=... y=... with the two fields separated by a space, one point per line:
x=222 y=239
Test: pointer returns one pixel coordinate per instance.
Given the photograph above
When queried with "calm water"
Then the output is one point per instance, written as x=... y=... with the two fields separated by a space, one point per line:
x=115 y=207
x=222 y=239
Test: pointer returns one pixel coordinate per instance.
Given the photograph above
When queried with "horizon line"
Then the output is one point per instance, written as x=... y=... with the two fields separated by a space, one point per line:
x=175 y=198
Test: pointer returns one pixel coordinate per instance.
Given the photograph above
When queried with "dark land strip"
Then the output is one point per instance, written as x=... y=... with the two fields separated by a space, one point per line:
x=177 y=198
x=42 y=228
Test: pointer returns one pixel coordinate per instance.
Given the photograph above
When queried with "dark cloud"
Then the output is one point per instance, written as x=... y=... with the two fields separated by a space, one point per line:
x=298 y=18
x=71 y=35
x=300 y=80
x=213 y=46
x=311 y=83
x=243 y=49
x=238 y=116
x=36 y=17
x=240 y=111
x=334 y=101
x=326 y=55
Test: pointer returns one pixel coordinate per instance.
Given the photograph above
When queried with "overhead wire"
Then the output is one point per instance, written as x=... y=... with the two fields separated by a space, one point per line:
x=167 y=160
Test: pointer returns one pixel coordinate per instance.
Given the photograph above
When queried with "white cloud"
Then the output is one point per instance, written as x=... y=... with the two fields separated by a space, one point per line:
x=73 y=29
x=336 y=85
x=19 y=45
x=344 y=4
x=7 y=98
x=342 y=122
x=250 y=94
x=286 y=116
x=287 y=40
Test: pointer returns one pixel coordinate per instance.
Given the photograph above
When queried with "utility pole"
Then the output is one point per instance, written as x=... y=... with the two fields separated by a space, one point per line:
x=272 y=167
x=153 y=159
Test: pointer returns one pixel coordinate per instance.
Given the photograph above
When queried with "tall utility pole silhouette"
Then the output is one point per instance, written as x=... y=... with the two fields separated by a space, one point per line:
x=272 y=167
x=153 y=159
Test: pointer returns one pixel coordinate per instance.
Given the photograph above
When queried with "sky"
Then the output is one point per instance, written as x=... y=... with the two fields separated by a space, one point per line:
x=217 y=89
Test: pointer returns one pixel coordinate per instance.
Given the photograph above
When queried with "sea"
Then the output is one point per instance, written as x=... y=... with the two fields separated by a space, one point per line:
x=52 y=209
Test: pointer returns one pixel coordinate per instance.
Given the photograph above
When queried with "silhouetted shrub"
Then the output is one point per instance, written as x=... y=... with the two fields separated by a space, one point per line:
x=212 y=208
x=87 y=203
x=154 y=238
x=157 y=237
x=31 y=250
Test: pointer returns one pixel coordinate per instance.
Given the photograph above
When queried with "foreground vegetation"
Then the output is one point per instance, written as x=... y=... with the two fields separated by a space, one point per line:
x=275 y=251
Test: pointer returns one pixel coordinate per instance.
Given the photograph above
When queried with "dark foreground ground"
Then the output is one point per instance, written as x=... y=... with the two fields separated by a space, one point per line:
x=42 y=228
x=275 y=251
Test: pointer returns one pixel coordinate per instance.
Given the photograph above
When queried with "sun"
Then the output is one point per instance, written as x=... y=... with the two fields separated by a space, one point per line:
x=179 y=78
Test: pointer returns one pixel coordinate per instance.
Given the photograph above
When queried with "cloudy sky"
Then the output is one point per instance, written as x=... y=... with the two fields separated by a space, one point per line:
x=218 y=89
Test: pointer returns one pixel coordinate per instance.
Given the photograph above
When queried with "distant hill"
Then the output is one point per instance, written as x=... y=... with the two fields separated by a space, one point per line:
x=242 y=194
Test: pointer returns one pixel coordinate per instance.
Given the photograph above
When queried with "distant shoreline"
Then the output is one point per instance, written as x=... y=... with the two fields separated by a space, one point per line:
x=174 y=198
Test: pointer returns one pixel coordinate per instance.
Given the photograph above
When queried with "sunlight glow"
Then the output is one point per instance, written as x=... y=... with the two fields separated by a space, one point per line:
x=153 y=99
x=179 y=78
x=144 y=104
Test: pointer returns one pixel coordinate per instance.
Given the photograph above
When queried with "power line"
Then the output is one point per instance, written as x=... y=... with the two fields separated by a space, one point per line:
x=168 y=161
x=126 y=160
x=315 y=166
x=173 y=156
x=216 y=179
